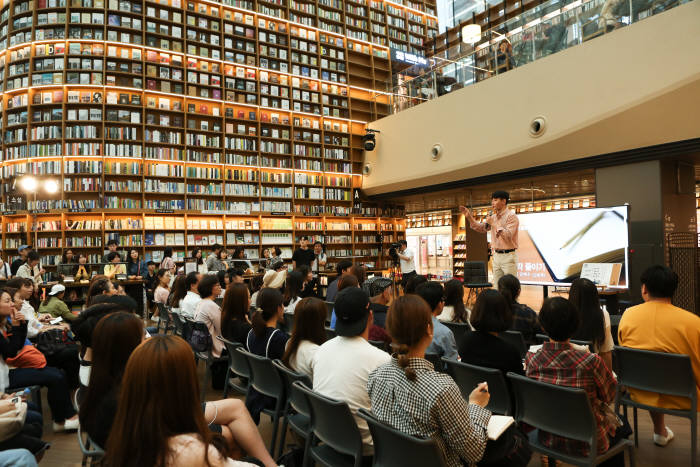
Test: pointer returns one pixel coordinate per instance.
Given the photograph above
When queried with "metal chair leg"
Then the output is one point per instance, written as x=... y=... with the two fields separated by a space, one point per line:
x=275 y=427
x=694 y=440
x=636 y=431
x=226 y=385
x=283 y=435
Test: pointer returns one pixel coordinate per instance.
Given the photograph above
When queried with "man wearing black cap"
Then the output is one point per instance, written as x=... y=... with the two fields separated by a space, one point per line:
x=342 y=365
x=23 y=251
x=503 y=224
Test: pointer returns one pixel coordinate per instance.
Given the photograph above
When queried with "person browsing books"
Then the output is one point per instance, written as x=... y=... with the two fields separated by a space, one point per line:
x=503 y=225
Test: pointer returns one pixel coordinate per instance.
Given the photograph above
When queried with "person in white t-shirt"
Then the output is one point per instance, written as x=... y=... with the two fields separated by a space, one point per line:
x=189 y=303
x=341 y=366
x=408 y=267
x=309 y=333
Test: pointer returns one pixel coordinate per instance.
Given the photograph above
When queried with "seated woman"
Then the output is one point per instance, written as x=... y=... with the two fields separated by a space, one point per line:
x=208 y=312
x=29 y=436
x=292 y=290
x=595 y=322
x=490 y=316
x=309 y=333
x=557 y=362
x=81 y=270
x=266 y=340
x=99 y=285
x=524 y=317
x=54 y=304
x=235 y=324
x=160 y=375
x=67 y=266
x=429 y=403
x=115 y=265
x=454 y=310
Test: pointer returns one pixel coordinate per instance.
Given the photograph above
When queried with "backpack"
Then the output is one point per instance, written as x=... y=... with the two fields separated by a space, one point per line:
x=54 y=341
x=200 y=340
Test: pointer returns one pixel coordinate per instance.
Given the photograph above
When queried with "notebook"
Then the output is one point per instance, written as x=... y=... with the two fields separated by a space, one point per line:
x=497 y=425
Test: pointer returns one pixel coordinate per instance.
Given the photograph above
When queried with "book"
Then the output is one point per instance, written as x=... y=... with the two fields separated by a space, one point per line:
x=498 y=424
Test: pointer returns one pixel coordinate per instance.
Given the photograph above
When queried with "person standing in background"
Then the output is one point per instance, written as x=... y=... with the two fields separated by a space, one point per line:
x=320 y=259
x=23 y=251
x=31 y=269
x=303 y=256
x=408 y=266
x=5 y=270
x=111 y=247
x=503 y=225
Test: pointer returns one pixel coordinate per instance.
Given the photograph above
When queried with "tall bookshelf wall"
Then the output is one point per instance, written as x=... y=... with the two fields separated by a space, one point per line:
x=225 y=110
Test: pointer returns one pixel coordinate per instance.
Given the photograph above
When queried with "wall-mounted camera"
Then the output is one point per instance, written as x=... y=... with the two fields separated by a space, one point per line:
x=537 y=126
x=368 y=140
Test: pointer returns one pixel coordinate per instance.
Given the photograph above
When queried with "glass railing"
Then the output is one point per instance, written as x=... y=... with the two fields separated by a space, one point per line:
x=544 y=30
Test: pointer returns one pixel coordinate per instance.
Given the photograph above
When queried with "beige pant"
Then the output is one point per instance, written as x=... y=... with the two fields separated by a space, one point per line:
x=504 y=263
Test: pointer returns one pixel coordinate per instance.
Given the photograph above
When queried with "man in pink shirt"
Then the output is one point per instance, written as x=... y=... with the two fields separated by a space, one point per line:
x=503 y=225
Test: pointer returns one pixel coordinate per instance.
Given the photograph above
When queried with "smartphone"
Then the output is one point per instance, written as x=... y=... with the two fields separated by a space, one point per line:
x=56 y=320
x=16 y=400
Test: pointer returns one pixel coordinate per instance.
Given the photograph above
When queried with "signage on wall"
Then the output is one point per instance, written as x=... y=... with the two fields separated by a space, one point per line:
x=408 y=58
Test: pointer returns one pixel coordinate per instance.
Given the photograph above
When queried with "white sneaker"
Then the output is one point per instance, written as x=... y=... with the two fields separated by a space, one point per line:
x=68 y=425
x=663 y=440
x=155 y=319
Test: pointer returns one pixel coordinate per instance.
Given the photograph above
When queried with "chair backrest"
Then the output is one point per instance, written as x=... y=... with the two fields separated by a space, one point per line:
x=396 y=448
x=542 y=338
x=516 y=339
x=329 y=311
x=381 y=345
x=178 y=322
x=458 y=329
x=330 y=333
x=289 y=322
x=264 y=377
x=468 y=376
x=237 y=362
x=660 y=372
x=436 y=361
x=333 y=423
x=559 y=410
x=295 y=398
x=475 y=272
x=187 y=327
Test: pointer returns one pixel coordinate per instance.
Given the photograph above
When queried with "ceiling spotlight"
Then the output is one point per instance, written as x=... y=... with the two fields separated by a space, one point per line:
x=51 y=186
x=28 y=184
x=368 y=140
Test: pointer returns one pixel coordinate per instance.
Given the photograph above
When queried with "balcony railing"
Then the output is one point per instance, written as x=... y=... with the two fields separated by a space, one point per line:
x=544 y=30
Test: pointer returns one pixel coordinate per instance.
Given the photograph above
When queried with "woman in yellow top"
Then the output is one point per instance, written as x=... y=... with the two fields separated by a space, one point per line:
x=659 y=326
x=114 y=268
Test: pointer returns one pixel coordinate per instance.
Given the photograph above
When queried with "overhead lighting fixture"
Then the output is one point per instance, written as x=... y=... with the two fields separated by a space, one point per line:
x=51 y=186
x=471 y=33
x=28 y=184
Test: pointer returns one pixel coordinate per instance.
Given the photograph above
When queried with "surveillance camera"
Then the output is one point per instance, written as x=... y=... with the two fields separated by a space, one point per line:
x=537 y=126
x=436 y=152
x=366 y=169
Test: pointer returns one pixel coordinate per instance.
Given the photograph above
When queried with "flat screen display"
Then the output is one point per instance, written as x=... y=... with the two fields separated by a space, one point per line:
x=554 y=245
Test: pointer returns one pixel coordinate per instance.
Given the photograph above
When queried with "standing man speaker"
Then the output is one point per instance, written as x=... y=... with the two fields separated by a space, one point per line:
x=408 y=268
x=503 y=225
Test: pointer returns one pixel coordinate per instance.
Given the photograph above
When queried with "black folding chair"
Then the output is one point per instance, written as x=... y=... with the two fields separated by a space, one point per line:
x=516 y=339
x=237 y=368
x=394 y=448
x=265 y=378
x=436 y=360
x=476 y=278
x=178 y=324
x=297 y=412
x=659 y=372
x=381 y=345
x=289 y=322
x=468 y=376
x=206 y=356
x=330 y=333
x=561 y=411
x=165 y=319
x=329 y=312
x=333 y=424
x=92 y=453
x=542 y=338
x=458 y=329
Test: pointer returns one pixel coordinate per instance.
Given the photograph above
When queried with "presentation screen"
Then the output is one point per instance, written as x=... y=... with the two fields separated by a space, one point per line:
x=554 y=245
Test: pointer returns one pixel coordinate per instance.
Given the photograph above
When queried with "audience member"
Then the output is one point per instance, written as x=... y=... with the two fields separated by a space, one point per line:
x=491 y=315
x=67 y=266
x=178 y=291
x=454 y=310
x=557 y=362
x=292 y=290
x=135 y=267
x=115 y=265
x=344 y=282
x=413 y=283
x=27 y=436
x=266 y=340
x=235 y=324
x=168 y=264
x=320 y=258
x=208 y=312
x=111 y=248
x=161 y=375
x=309 y=333
x=54 y=304
x=431 y=405
x=23 y=251
x=274 y=277
x=162 y=291
x=24 y=289
x=380 y=295
x=341 y=366
x=303 y=256
x=659 y=326
x=595 y=321
x=12 y=341
x=99 y=285
x=524 y=317
x=214 y=263
x=199 y=260
x=359 y=272
x=188 y=304
x=342 y=268
x=31 y=269
x=443 y=343
x=5 y=272
x=240 y=261
x=309 y=287
x=81 y=273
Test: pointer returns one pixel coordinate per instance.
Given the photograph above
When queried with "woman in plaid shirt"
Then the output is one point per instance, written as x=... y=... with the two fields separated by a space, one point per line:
x=408 y=394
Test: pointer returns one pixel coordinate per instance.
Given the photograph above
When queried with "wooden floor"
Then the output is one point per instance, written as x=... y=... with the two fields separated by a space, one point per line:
x=65 y=452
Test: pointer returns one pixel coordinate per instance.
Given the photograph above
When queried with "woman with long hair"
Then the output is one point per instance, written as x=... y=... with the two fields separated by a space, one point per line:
x=309 y=333
x=235 y=323
x=524 y=318
x=161 y=292
x=454 y=309
x=100 y=285
x=595 y=322
x=266 y=340
x=431 y=402
x=292 y=290
x=161 y=375
x=168 y=263
x=67 y=266
x=81 y=271
x=240 y=261
x=177 y=292
x=199 y=260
